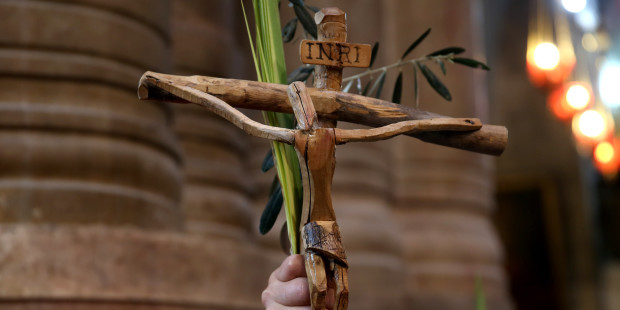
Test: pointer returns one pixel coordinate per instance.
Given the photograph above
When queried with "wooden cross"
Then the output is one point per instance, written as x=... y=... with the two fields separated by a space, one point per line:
x=315 y=137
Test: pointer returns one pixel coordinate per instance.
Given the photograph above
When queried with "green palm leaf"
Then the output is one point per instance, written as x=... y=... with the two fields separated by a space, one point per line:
x=271 y=68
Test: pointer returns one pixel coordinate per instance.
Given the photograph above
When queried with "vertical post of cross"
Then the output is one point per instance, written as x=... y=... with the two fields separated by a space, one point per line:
x=332 y=27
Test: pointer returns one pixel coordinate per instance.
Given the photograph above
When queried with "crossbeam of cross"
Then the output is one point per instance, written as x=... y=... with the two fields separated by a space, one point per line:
x=489 y=139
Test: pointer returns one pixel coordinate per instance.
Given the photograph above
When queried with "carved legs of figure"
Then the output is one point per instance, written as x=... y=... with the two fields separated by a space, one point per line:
x=317 y=280
x=321 y=278
x=341 y=282
x=326 y=264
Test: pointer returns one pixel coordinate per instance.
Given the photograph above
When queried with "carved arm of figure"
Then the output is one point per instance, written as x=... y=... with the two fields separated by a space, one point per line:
x=324 y=254
x=222 y=109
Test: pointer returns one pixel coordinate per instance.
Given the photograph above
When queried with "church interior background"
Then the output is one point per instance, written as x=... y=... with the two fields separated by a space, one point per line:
x=107 y=202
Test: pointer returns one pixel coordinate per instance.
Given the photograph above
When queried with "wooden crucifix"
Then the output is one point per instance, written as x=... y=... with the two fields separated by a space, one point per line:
x=315 y=137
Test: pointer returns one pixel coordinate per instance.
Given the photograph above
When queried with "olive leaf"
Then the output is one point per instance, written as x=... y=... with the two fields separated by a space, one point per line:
x=447 y=51
x=416 y=43
x=416 y=87
x=398 y=88
x=297 y=2
x=312 y=8
x=347 y=87
x=267 y=161
x=373 y=55
x=366 y=88
x=285 y=243
x=288 y=32
x=471 y=63
x=434 y=82
x=306 y=20
x=377 y=87
x=272 y=209
x=442 y=65
x=300 y=74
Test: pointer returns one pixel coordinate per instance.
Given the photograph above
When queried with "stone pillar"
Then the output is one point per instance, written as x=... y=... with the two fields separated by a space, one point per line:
x=216 y=199
x=360 y=196
x=362 y=190
x=444 y=196
x=90 y=179
x=261 y=184
x=209 y=38
x=89 y=176
x=77 y=147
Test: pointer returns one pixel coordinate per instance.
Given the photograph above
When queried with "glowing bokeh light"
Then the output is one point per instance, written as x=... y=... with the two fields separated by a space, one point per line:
x=569 y=99
x=574 y=6
x=604 y=152
x=591 y=124
x=588 y=19
x=609 y=85
x=577 y=96
x=546 y=56
x=589 y=42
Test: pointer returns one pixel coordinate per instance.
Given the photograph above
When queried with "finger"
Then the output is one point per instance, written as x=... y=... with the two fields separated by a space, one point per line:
x=292 y=267
x=292 y=293
x=330 y=300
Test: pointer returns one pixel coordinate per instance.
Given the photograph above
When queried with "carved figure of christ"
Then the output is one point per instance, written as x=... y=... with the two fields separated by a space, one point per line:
x=324 y=253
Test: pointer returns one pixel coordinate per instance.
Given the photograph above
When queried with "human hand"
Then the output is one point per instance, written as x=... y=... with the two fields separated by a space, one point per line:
x=288 y=287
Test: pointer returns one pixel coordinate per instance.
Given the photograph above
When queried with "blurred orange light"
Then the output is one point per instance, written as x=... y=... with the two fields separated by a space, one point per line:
x=569 y=99
x=577 y=96
x=604 y=152
x=592 y=126
x=547 y=65
x=606 y=157
x=546 y=56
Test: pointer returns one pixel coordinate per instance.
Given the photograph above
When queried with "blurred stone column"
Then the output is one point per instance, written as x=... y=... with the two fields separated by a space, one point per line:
x=90 y=178
x=77 y=147
x=209 y=38
x=444 y=196
x=206 y=42
x=361 y=191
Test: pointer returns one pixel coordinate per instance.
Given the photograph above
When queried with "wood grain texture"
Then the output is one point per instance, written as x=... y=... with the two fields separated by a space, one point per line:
x=417 y=126
x=340 y=276
x=302 y=106
x=321 y=242
x=316 y=151
x=317 y=279
x=222 y=109
x=490 y=139
x=324 y=237
x=331 y=27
